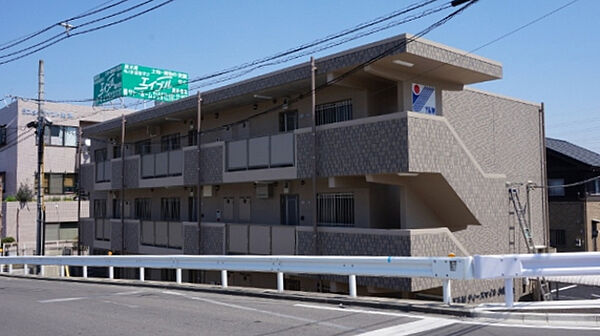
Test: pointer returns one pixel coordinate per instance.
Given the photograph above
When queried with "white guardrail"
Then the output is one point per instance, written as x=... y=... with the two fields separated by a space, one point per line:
x=507 y=267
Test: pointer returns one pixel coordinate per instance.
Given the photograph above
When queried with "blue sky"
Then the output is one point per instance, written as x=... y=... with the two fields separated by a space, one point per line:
x=553 y=61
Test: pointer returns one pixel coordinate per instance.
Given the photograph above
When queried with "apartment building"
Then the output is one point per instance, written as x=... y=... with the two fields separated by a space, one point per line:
x=575 y=210
x=18 y=165
x=408 y=160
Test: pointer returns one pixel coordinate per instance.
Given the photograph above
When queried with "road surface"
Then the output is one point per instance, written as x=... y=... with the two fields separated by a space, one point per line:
x=37 y=307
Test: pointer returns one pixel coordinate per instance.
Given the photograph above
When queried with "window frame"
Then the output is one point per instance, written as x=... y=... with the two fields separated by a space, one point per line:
x=341 y=110
x=63 y=131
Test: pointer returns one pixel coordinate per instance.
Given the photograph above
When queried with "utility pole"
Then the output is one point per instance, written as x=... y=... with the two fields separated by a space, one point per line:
x=40 y=165
x=123 y=184
x=78 y=170
x=313 y=69
x=199 y=182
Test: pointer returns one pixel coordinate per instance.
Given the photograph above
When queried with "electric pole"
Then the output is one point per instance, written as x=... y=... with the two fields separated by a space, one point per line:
x=123 y=184
x=40 y=166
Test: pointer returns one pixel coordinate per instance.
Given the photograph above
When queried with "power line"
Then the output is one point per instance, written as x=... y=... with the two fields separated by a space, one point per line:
x=256 y=64
x=53 y=40
x=28 y=37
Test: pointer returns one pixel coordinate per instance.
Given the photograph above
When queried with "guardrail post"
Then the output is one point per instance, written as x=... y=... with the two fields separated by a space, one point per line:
x=85 y=275
x=62 y=270
x=10 y=267
x=352 y=285
x=224 y=278
x=42 y=270
x=447 y=292
x=280 y=282
x=142 y=274
x=1 y=268
x=111 y=272
x=25 y=269
x=508 y=292
x=178 y=275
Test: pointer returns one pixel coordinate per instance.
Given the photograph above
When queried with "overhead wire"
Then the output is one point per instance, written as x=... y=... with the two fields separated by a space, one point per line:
x=17 y=41
x=55 y=39
x=289 y=52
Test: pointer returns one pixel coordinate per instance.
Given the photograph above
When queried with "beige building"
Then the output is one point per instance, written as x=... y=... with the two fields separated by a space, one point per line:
x=18 y=165
x=409 y=162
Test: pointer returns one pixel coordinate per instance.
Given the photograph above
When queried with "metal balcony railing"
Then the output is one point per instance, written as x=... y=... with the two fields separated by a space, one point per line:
x=163 y=164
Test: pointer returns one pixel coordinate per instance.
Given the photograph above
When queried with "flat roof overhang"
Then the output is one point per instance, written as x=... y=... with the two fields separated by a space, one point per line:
x=429 y=59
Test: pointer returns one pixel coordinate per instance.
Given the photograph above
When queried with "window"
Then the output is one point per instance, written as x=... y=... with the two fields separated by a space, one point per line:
x=58 y=184
x=2 y=135
x=169 y=209
x=57 y=135
x=116 y=151
x=558 y=238
x=335 y=209
x=100 y=155
x=192 y=206
x=100 y=208
x=594 y=187
x=143 y=208
x=170 y=142
x=192 y=138
x=333 y=112
x=556 y=191
x=143 y=147
x=288 y=121
x=116 y=208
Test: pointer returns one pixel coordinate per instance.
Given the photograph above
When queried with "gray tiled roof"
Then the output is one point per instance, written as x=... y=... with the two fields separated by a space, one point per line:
x=573 y=151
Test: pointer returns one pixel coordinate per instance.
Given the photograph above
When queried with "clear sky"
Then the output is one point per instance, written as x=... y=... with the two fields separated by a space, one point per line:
x=554 y=61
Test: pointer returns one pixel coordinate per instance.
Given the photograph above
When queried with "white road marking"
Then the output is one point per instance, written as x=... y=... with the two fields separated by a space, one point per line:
x=120 y=304
x=235 y=306
x=411 y=328
x=361 y=311
x=89 y=297
x=458 y=321
x=596 y=295
x=562 y=288
x=64 y=299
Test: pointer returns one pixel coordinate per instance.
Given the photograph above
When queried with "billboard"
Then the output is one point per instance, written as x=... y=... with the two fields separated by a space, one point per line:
x=423 y=99
x=136 y=81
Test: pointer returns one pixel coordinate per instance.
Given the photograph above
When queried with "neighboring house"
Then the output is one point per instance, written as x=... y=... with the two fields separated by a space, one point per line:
x=409 y=162
x=574 y=211
x=18 y=165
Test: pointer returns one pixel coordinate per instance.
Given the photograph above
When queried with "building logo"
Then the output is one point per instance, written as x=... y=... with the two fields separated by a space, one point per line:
x=423 y=99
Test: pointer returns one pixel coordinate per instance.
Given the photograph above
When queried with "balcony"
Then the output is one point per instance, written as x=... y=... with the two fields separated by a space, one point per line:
x=162 y=234
x=273 y=151
x=163 y=164
x=102 y=229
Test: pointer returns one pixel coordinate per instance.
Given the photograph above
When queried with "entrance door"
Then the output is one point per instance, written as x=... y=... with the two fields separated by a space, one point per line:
x=289 y=209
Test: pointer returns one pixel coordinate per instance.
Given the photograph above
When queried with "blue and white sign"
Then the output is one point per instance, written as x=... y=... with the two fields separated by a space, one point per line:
x=423 y=99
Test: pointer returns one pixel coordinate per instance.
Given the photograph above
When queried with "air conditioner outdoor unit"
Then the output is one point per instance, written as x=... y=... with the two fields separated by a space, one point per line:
x=578 y=242
x=153 y=131
x=207 y=191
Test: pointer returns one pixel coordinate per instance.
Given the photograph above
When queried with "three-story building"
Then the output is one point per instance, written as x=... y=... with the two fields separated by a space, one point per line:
x=408 y=162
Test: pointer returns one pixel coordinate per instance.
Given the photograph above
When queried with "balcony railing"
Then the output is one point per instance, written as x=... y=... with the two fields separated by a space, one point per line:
x=163 y=164
x=162 y=234
x=262 y=152
x=103 y=171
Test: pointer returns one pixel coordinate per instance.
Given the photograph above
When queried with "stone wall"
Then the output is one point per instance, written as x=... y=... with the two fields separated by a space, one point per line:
x=212 y=165
x=353 y=148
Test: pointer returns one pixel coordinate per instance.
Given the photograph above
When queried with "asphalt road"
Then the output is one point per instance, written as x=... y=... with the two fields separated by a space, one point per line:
x=37 y=307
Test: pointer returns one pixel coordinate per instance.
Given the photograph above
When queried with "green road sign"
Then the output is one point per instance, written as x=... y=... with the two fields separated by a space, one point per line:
x=128 y=80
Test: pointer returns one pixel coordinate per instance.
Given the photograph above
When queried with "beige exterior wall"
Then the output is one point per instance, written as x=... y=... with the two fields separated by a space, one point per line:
x=592 y=212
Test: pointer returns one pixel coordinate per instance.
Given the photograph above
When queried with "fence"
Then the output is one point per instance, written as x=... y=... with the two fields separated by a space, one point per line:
x=507 y=267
